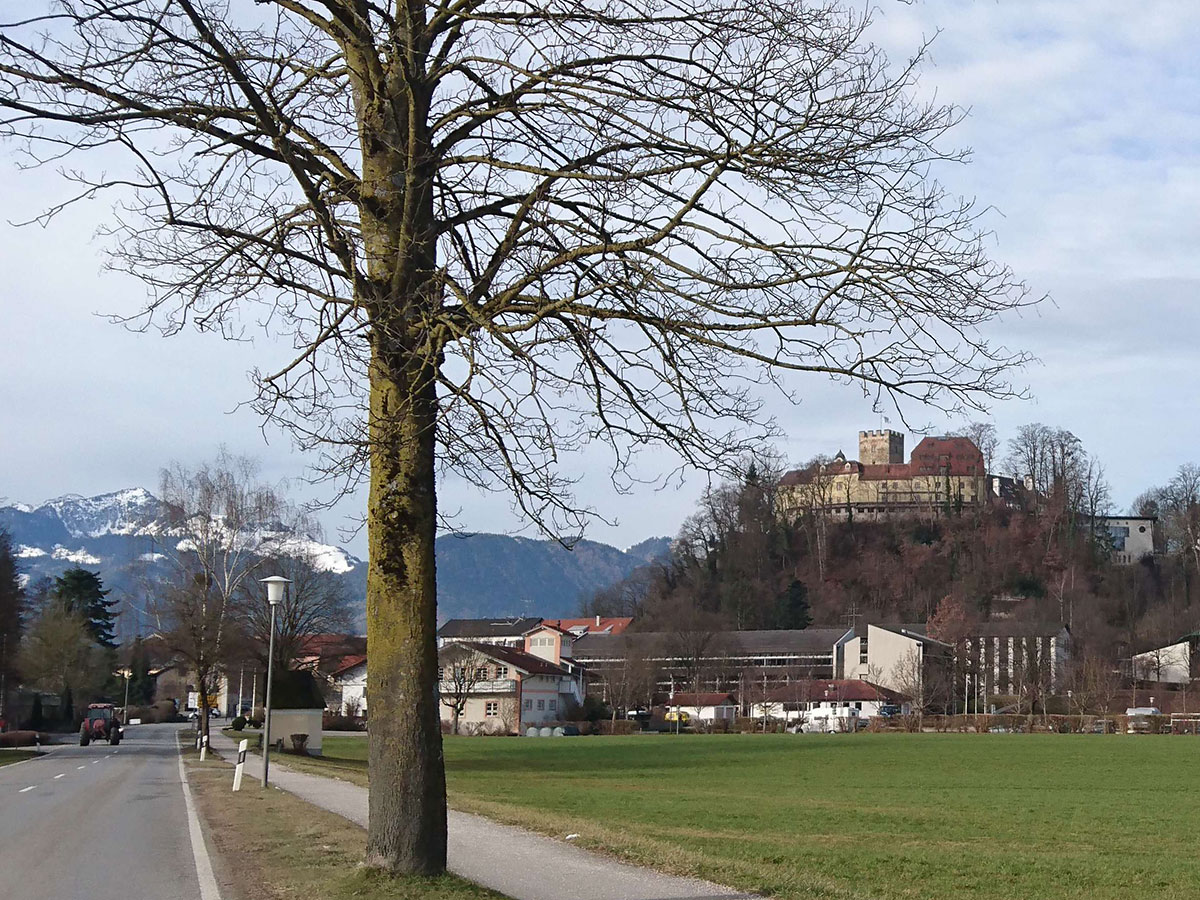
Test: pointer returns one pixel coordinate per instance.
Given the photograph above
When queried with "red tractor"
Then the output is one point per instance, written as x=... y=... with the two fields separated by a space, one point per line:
x=100 y=723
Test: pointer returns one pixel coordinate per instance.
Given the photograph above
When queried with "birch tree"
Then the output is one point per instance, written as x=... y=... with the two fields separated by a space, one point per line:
x=497 y=231
x=221 y=523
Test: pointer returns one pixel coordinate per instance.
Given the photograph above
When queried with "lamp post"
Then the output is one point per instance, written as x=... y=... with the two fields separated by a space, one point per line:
x=275 y=588
x=128 y=673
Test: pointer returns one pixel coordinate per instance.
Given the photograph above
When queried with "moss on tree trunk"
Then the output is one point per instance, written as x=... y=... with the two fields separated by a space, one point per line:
x=408 y=787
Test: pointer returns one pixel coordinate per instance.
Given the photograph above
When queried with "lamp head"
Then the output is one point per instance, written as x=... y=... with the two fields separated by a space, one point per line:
x=275 y=585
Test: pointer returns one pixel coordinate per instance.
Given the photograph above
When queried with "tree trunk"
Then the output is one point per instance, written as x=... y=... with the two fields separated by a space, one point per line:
x=407 y=828
x=202 y=723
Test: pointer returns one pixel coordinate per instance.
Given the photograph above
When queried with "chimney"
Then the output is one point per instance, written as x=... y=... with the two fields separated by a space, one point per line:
x=597 y=621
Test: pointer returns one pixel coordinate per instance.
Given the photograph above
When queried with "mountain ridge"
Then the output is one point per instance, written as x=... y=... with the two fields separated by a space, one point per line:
x=120 y=534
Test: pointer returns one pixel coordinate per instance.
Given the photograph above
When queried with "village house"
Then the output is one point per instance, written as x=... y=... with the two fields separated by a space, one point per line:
x=348 y=682
x=507 y=631
x=795 y=701
x=497 y=689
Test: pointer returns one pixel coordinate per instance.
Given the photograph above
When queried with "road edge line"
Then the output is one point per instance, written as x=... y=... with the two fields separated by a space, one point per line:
x=42 y=752
x=204 y=870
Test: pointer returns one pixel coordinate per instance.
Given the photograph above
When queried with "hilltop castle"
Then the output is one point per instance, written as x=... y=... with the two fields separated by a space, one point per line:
x=943 y=473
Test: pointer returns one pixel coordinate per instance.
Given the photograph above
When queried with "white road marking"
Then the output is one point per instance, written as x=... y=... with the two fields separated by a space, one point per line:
x=204 y=870
x=63 y=775
x=30 y=788
x=77 y=768
x=94 y=761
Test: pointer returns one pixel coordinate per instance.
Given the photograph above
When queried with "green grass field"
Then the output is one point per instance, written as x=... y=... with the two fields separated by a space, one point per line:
x=15 y=756
x=867 y=815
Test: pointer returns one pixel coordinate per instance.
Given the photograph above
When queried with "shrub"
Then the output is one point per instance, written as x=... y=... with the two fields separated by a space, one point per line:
x=299 y=743
x=26 y=738
x=341 y=723
x=620 y=726
x=238 y=723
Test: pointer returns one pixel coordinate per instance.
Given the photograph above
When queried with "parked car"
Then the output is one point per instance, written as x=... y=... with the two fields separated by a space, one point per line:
x=888 y=710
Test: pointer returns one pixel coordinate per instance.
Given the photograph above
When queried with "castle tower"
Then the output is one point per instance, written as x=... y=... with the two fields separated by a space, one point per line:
x=880 y=447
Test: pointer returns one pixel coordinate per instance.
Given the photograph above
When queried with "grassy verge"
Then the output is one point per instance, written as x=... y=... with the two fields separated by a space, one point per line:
x=344 y=758
x=15 y=756
x=281 y=847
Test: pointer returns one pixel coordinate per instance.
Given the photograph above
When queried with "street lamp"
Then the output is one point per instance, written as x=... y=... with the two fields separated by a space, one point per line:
x=128 y=673
x=275 y=588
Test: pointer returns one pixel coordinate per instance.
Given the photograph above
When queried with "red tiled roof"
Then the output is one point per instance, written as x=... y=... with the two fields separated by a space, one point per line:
x=710 y=699
x=347 y=663
x=609 y=624
x=932 y=456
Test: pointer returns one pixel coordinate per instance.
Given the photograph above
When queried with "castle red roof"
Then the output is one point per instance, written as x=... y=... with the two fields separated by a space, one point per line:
x=957 y=456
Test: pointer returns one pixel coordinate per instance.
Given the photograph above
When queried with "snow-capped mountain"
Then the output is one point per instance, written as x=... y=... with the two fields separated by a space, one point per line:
x=123 y=536
x=129 y=511
x=65 y=529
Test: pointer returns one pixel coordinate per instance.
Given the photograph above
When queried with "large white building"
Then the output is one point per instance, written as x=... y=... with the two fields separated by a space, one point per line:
x=1132 y=537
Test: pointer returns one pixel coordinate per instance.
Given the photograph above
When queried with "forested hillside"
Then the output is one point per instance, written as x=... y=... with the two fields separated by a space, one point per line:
x=740 y=561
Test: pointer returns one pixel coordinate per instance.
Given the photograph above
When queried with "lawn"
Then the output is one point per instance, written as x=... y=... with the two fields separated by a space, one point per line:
x=867 y=815
x=15 y=756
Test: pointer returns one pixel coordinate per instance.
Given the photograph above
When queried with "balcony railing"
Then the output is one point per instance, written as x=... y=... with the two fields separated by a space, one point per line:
x=497 y=686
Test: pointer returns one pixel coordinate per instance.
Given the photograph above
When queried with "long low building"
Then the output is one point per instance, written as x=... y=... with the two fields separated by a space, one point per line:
x=713 y=661
x=997 y=658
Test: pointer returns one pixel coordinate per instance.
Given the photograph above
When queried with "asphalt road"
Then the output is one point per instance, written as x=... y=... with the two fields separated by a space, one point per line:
x=98 y=823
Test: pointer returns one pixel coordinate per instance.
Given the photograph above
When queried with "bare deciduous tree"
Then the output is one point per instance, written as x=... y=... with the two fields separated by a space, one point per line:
x=316 y=602
x=908 y=676
x=221 y=522
x=983 y=435
x=462 y=668
x=496 y=233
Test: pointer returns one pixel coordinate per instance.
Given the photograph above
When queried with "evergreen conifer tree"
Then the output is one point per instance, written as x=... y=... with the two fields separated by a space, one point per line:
x=141 y=685
x=82 y=592
x=793 y=607
x=12 y=602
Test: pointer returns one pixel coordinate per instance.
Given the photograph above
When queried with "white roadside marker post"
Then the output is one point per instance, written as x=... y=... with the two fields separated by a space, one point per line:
x=241 y=764
x=203 y=747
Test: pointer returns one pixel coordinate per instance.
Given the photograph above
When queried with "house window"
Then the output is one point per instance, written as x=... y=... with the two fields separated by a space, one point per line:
x=502 y=671
x=529 y=704
x=441 y=673
x=553 y=704
x=481 y=673
x=541 y=704
x=491 y=709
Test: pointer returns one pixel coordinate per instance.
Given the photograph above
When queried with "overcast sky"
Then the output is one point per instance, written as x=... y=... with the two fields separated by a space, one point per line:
x=1084 y=121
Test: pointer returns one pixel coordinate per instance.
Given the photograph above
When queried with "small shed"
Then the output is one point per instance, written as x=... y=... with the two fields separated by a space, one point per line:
x=705 y=707
x=297 y=707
